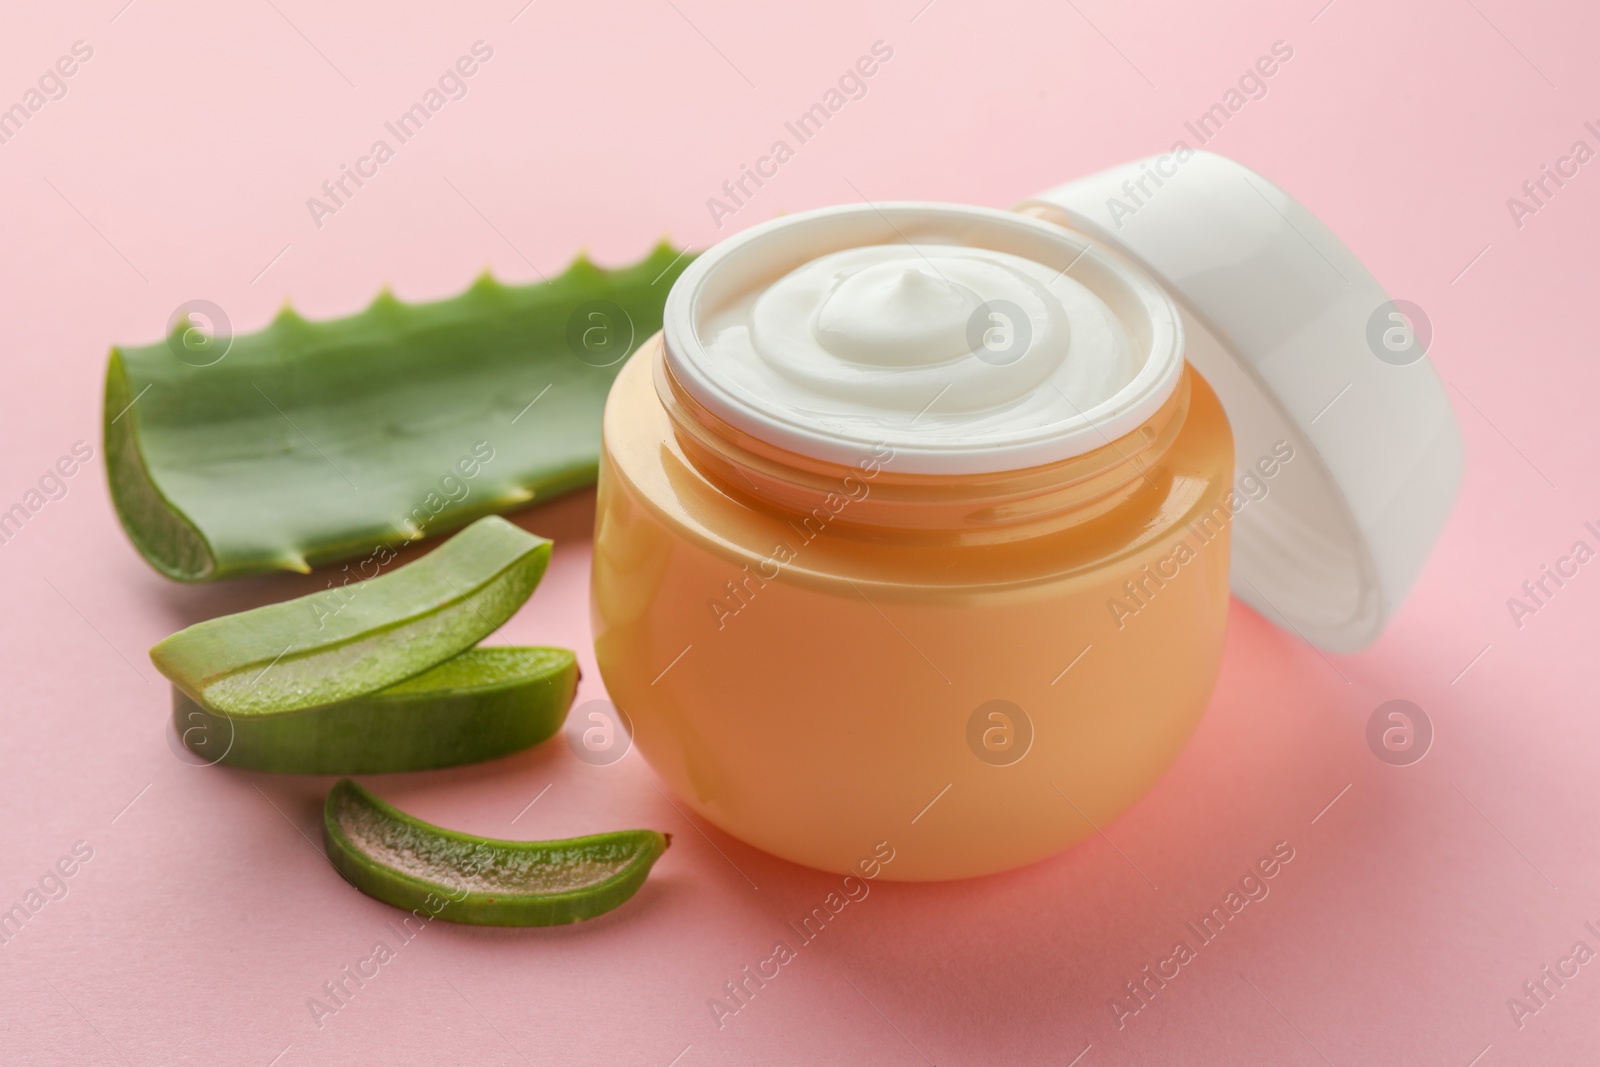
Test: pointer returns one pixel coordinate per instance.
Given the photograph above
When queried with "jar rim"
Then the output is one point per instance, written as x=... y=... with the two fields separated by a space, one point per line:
x=884 y=499
x=769 y=250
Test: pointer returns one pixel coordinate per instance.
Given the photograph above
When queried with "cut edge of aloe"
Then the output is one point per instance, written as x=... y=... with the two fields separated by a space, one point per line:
x=160 y=531
x=175 y=542
x=400 y=888
x=480 y=705
x=233 y=664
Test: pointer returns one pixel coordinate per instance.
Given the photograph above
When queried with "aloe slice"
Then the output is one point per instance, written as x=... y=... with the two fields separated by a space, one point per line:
x=482 y=704
x=301 y=654
x=308 y=442
x=404 y=861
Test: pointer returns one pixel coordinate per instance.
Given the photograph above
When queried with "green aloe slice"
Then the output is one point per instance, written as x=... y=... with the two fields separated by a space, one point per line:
x=309 y=442
x=411 y=864
x=480 y=705
x=301 y=653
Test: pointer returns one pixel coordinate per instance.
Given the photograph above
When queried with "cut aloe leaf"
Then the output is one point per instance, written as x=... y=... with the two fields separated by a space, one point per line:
x=404 y=861
x=308 y=442
x=304 y=653
x=482 y=704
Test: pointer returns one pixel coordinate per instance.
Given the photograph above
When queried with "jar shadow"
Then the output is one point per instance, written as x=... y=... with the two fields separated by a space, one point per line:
x=1037 y=956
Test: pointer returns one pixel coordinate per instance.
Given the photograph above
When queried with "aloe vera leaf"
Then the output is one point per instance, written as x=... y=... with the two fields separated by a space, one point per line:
x=309 y=442
x=482 y=704
x=411 y=864
x=300 y=654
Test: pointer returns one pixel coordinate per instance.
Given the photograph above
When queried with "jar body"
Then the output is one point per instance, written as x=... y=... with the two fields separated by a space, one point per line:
x=978 y=701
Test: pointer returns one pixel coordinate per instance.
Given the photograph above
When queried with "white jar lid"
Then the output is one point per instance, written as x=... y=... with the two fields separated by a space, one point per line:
x=1307 y=352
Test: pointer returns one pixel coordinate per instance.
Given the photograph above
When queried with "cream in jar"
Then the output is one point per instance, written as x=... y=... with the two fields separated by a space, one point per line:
x=961 y=351
x=927 y=345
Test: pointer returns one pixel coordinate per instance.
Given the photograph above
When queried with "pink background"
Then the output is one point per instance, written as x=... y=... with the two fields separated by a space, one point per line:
x=177 y=167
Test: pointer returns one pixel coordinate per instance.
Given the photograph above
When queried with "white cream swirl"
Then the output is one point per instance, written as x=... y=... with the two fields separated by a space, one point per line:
x=935 y=342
